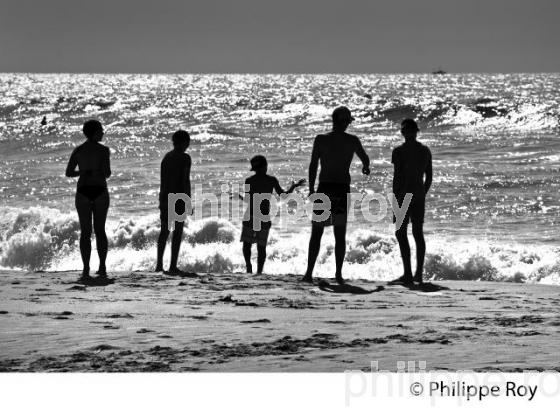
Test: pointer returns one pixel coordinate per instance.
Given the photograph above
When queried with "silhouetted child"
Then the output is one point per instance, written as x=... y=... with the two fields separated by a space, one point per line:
x=412 y=160
x=175 y=178
x=260 y=183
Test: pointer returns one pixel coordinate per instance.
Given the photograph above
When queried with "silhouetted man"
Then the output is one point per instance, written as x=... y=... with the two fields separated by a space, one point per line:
x=175 y=178
x=334 y=152
x=412 y=160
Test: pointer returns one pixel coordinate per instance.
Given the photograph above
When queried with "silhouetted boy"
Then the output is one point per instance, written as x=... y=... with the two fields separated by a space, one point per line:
x=260 y=183
x=175 y=178
x=412 y=160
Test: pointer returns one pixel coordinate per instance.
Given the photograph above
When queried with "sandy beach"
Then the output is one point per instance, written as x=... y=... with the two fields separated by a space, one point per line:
x=235 y=322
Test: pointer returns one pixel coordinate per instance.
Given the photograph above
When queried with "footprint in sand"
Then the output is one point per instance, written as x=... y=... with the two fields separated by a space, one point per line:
x=198 y=317
x=78 y=287
x=63 y=315
x=227 y=299
x=143 y=330
x=120 y=316
x=255 y=321
x=249 y=304
x=101 y=348
x=465 y=328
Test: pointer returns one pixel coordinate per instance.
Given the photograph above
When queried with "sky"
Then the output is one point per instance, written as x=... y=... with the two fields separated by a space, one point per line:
x=287 y=36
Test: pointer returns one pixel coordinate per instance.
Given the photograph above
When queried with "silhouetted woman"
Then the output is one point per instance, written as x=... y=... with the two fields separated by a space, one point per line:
x=92 y=197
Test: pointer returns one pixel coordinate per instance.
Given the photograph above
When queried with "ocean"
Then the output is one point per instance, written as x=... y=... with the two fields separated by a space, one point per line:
x=492 y=212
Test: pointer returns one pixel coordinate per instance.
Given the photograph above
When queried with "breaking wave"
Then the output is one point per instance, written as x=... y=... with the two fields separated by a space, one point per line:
x=47 y=239
x=481 y=113
x=137 y=105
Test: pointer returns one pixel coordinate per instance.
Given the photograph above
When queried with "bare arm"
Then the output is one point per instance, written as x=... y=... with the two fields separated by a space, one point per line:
x=71 y=171
x=428 y=180
x=313 y=165
x=361 y=153
x=294 y=185
x=106 y=165
x=248 y=193
x=396 y=173
x=188 y=176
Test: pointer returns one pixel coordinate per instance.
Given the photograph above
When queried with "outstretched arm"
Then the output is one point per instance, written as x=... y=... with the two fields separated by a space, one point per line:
x=71 y=171
x=313 y=165
x=294 y=185
x=428 y=180
x=247 y=193
x=363 y=157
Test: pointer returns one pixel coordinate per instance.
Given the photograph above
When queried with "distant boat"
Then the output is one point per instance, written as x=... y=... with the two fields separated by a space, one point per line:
x=439 y=71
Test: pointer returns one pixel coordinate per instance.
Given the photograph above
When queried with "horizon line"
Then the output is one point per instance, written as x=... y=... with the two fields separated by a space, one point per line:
x=280 y=73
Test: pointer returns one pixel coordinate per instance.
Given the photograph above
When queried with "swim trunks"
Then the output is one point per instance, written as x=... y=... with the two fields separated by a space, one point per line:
x=338 y=209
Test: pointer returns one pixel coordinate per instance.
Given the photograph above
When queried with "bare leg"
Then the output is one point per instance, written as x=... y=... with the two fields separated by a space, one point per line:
x=247 y=256
x=418 y=233
x=161 y=243
x=314 y=247
x=261 y=258
x=176 y=245
x=339 y=249
x=405 y=251
x=84 y=208
x=100 y=209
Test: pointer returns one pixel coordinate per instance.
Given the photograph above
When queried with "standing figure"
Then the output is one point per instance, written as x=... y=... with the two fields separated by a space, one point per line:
x=412 y=160
x=175 y=179
x=92 y=197
x=260 y=183
x=334 y=152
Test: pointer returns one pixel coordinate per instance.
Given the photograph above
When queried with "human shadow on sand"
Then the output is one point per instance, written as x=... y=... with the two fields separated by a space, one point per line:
x=346 y=288
x=181 y=274
x=426 y=287
x=95 y=281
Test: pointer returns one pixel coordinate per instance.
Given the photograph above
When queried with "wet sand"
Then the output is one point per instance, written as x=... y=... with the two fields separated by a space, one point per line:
x=236 y=322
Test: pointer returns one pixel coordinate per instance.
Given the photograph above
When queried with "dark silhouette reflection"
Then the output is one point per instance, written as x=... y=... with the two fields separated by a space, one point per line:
x=175 y=178
x=334 y=152
x=260 y=183
x=346 y=288
x=90 y=162
x=412 y=161
x=44 y=120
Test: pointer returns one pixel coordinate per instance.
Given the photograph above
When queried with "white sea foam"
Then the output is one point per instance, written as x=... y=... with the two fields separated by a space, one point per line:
x=40 y=238
x=494 y=150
